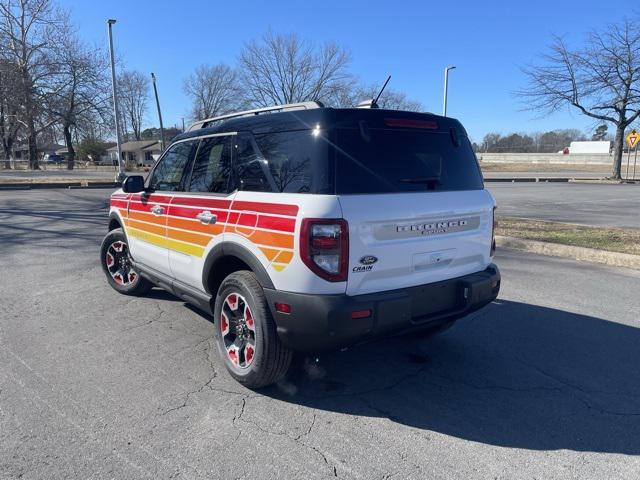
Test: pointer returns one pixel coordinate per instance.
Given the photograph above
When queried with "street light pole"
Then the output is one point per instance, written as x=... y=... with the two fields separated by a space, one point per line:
x=155 y=91
x=446 y=86
x=116 y=112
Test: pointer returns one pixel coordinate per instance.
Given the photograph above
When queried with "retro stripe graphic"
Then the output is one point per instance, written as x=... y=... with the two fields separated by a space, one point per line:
x=269 y=226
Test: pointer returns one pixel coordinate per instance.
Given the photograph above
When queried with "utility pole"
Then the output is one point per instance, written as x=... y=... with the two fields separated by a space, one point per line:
x=446 y=86
x=155 y=91
x=116 y=112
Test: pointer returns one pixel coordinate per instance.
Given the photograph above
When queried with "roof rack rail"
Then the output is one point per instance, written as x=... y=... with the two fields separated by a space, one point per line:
x=276 y=108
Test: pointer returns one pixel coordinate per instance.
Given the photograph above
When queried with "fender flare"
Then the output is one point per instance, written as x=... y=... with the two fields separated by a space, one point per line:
x=223 y=250
x=116 y=216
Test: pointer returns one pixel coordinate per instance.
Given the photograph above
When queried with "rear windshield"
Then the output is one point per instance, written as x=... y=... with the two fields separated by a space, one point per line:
x=404 y=160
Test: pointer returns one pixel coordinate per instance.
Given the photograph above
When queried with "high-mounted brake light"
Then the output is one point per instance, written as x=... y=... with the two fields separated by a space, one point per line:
x=324 y=247
x=410 y=123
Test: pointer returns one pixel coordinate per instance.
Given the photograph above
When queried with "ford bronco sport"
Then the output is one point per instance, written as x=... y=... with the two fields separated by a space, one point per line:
x=306 y=228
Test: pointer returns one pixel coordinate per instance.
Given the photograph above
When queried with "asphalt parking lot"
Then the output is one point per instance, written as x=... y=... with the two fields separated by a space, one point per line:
x=544 y=383
x=588 y=204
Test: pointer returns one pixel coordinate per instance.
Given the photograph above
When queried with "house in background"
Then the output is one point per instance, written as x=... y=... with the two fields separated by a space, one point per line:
x=139 y=153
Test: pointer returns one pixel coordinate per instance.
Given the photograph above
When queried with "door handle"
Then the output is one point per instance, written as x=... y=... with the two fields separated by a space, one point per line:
x=207 y=217
x=157 y=210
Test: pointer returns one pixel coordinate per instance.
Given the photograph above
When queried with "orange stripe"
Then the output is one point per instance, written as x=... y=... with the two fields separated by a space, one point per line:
x=195 y=238
x=195 y=226
x=270 y=239
x=157 y=229
x=147 y=217
x=270 y=253
x=284 y=257
x=123 y=212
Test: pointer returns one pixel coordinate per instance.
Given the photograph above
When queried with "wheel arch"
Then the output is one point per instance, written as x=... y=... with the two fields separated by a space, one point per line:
x=115 y=221
x=226 y=258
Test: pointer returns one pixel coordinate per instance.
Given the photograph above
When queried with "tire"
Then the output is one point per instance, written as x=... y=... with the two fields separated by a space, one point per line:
x=246 y=334
x=116 y=264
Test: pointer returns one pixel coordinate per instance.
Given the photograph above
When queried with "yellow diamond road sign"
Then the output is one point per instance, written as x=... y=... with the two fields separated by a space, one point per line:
x=633 y=139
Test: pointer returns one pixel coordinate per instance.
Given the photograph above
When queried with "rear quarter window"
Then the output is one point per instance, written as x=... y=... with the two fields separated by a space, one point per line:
x=404 y=160
x=284 y=162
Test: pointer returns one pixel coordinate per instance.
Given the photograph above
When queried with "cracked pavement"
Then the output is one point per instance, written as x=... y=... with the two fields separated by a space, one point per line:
x=544 y=383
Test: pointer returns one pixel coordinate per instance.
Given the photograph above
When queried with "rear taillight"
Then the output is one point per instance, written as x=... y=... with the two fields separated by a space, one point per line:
x=493 y=233
x=324 y=247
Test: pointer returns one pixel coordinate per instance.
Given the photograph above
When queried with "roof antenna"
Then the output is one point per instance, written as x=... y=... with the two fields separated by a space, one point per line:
x=375 y=102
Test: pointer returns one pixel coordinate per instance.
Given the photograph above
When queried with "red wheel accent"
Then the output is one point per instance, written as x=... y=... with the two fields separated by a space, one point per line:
x=249 y=353
x=232 y=301
x=248 y=318
x=232 y=351
x=238 y=330
x=224 y=325
x=118 y=264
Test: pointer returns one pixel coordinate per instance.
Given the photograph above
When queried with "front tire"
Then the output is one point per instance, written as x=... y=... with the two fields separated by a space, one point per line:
x=116 y=264
x=246 y=333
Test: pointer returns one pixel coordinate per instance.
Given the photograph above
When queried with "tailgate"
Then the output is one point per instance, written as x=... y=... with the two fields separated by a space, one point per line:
x=408 y=239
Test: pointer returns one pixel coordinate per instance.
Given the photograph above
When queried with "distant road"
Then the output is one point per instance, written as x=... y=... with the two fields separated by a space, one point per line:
x=612 y=205
x=539 y=174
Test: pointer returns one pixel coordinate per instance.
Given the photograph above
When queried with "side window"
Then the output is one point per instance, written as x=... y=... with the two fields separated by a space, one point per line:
x=251 y=171
x=212 y=166
x=167 y=176
x=289 y=159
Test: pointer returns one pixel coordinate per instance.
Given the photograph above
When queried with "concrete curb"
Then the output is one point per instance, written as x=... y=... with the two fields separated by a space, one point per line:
x=79 y=184
x=568 y=251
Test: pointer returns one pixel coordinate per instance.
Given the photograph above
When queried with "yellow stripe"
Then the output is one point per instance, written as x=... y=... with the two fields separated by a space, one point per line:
x=169 y=243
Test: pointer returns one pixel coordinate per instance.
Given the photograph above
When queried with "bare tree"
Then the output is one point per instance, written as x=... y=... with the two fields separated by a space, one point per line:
x=213 y=90
x=390 y=99
x=601 y=79
x=281 y=69
x=79 y=89
x=26 y=27
x=133 y=90
x=9 y=106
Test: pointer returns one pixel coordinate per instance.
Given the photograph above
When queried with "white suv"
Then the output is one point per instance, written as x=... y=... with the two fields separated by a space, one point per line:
x=306 y=228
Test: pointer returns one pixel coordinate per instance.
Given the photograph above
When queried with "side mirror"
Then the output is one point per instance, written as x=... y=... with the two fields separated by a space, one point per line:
x=133 y=184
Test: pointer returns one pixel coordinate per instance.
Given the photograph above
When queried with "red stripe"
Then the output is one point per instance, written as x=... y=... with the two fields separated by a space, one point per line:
x=276 y=208
x=152 y=198
x=119 y=203
x=202 y=202
x=141 y=207
x=192 y=212
x=275 y=223
x=120 y=195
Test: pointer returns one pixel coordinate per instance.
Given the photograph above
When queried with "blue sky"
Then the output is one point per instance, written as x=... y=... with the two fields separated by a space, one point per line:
x=411 y=40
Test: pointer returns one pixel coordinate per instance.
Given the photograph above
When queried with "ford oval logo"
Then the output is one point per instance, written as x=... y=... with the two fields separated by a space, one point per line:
x=368 y=260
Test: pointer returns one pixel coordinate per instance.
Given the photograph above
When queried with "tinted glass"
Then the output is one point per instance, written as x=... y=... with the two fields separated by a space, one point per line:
x=168 y=175
x=251 y=173
x=404 y=160
x=290 y=162
x=212 y=166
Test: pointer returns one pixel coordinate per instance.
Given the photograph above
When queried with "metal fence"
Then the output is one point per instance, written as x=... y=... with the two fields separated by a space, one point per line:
x=13 y=164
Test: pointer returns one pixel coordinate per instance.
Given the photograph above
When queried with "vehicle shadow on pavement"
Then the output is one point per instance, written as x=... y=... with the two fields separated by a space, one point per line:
x=512 y=375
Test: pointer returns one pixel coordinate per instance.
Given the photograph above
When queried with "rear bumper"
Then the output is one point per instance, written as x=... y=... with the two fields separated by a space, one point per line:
x=324 y=322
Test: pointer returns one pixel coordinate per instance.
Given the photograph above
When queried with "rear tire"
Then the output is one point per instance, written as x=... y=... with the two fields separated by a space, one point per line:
x=116 y=264
x=246 y=333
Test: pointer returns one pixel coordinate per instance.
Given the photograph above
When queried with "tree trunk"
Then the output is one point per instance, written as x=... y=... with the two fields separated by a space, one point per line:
x=33 y=149
x=71 y=153
x=618 y=145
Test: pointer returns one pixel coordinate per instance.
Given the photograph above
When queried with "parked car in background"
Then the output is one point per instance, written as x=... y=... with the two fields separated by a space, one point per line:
x=53 y=158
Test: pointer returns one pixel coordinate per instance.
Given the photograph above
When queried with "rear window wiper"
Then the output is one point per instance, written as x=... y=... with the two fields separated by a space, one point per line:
x=419 y=180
